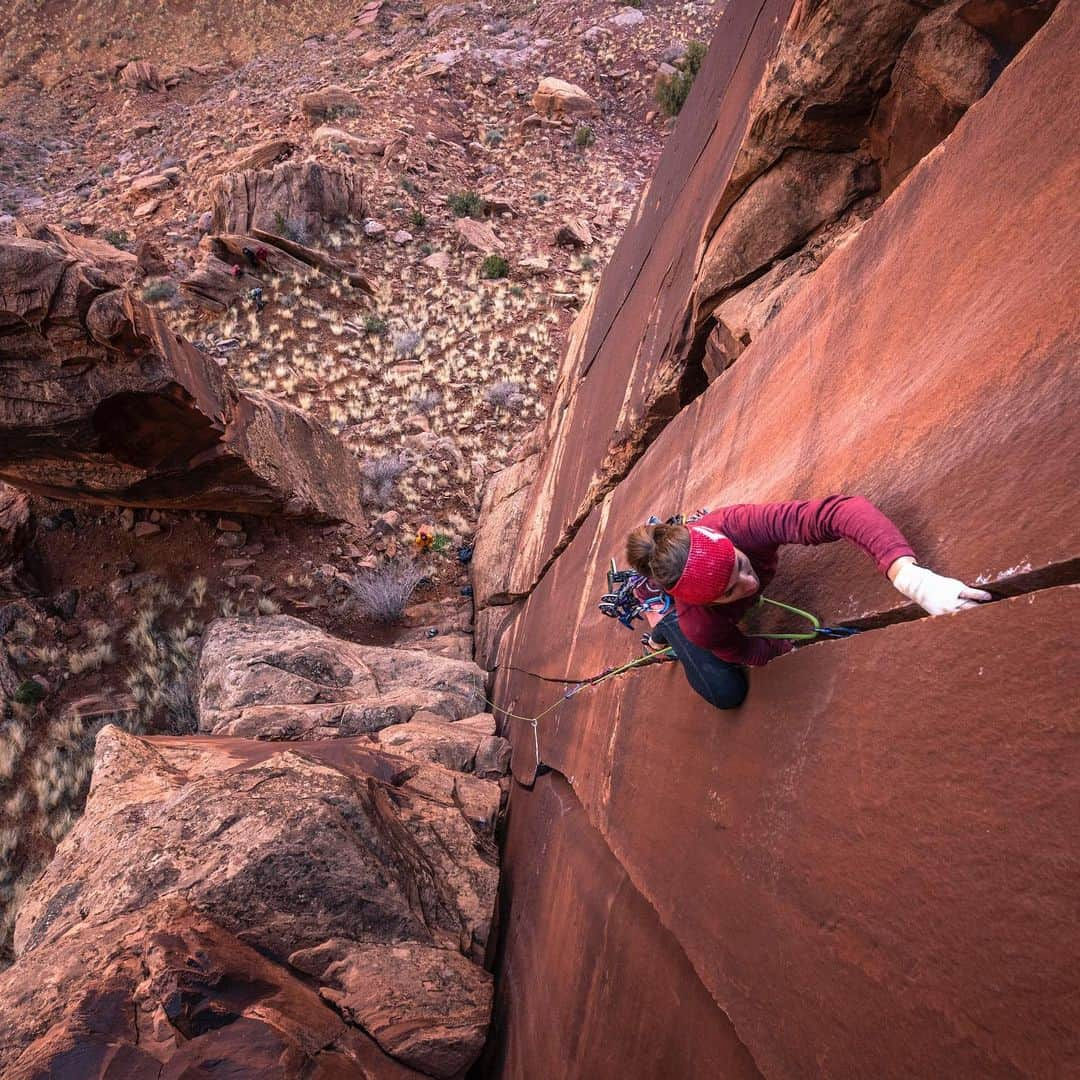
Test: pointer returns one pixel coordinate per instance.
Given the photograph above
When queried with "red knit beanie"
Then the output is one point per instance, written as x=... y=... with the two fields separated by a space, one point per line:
x=708 y=567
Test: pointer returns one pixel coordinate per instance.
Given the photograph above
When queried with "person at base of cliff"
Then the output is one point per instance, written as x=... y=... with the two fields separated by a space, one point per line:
x=717 y=564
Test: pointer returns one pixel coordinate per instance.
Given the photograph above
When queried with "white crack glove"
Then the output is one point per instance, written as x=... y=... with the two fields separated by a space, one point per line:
x=935 y=594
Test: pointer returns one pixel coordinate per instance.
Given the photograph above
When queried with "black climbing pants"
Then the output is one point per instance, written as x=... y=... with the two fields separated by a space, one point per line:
x=721 y=684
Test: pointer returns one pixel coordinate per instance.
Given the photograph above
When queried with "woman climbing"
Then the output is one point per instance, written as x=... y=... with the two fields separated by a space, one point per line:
x=703 y=577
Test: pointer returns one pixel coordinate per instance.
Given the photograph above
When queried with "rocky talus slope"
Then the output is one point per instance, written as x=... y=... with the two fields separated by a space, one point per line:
x=850 y=273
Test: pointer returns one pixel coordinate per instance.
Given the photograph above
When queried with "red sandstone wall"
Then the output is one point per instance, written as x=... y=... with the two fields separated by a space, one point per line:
x=872 y=867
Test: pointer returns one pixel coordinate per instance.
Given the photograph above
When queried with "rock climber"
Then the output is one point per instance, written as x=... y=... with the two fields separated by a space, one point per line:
x=702 y=577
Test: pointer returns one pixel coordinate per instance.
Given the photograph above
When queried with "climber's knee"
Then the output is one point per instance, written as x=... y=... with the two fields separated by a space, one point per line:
x=728 y=694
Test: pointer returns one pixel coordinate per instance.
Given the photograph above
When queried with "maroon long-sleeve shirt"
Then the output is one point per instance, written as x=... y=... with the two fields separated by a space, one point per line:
x=759 y=530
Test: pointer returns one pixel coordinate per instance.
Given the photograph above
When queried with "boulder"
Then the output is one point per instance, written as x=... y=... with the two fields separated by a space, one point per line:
x=944 y=67
x=460 y=746
x=554 y=97
x=216 y=889
x=261 y=155
x=478 y=235
x=281 y=678
x=574 y=232
x=293 y=199
x=492 y=758
x=627 y=17
x=329 y=104
x=141 y=75
x=335 y=138
x=214 y=285
x=424 y=1006
x=101 y=402
x=154 y=184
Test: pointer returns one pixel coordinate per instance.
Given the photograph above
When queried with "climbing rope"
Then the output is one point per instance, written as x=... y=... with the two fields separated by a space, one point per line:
x=815 y=634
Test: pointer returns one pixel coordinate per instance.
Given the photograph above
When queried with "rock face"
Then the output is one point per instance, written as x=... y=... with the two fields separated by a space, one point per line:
x=282 y=678
x=100 y=402
x=274 y=910
x=296 y=199
x=805 y=132
x=862 y=866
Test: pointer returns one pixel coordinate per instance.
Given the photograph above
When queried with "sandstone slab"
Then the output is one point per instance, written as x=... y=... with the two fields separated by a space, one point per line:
x=282 y=678
x=874 y=823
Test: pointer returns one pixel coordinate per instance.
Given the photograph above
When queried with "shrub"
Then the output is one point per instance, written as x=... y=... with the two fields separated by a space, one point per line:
x=426 y=401
x=466 y=204
x=494 y=266
x=426 y=249
x=517 y=292
x=584 y=137
x=117 y=237
x=13 y=739
x=541 y=197
x=162 y=680
x=494 y=137
x=406 y=342
x=375 y=324
x=159 y=289
x=671 y=94
x=409 y=186
x=505 y=394
x=417 y=219
x=28 y=692
x=380 y=475
x=383 y=593
x=291 y=230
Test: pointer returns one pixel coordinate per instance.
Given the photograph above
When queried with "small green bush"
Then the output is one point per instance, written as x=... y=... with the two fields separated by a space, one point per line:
x=466 y=204
x=290 y=230
x=417 y=219
x=494 y=266
x=541 y=197
x=375 y=324
x=117 y=237
x=158 y=290
x=584 y=137
x=671 y=95
x=494 y=137
x=28 y=692
x=409 y=186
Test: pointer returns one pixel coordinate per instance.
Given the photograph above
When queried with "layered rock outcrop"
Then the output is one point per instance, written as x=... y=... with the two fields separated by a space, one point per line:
x=282 y=678
x=869 y=867
x=100 y=402
x=317 y=906
x=298 y=197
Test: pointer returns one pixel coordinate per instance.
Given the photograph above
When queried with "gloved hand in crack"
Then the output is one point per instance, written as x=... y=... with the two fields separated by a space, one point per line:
x=935 y=594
